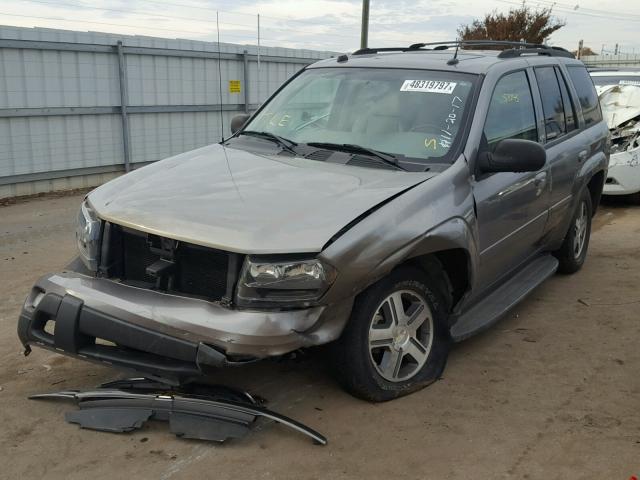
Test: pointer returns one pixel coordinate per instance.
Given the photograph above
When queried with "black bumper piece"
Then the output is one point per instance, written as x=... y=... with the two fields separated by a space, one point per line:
x=77 y=326
x=201 y=418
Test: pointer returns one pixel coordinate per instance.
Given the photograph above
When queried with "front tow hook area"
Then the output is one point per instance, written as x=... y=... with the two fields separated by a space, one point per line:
x=65 y=324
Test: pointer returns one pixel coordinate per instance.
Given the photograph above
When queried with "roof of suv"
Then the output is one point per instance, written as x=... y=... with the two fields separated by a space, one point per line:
x=469 y=61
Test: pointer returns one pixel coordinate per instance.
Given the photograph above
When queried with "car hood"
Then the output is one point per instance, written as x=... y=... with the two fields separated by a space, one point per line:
x=244 y=202
x=620 y=103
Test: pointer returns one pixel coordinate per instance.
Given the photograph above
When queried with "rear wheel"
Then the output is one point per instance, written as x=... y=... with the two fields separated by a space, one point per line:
x=395 y=342
x=573 y=252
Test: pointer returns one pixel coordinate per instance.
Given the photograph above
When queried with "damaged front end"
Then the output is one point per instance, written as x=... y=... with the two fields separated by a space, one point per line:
x=626 y=137
x=173 y=283
x=621 y=109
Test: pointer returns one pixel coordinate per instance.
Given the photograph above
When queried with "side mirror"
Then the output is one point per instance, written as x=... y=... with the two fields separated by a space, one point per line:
x=238 y=122
x=514 y=155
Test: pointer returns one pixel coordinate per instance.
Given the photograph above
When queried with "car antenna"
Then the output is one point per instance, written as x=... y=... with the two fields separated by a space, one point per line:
x=220 y=78
x=454 y=60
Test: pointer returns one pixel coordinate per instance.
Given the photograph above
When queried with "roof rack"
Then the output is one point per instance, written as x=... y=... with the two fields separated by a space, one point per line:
x=519 y=48
x=541 y=50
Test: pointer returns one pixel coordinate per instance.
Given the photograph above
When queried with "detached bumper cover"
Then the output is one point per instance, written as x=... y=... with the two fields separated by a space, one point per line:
x=165 y=336
x=200 y=418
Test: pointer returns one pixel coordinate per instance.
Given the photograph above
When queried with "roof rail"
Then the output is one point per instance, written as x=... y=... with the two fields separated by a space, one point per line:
x=543 y=50
x=518 y=48
x=367 y=51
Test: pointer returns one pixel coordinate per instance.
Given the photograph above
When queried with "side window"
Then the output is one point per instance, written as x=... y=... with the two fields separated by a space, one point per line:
x=552 y=104
x=511 y=113
x=569 y=107
x=586 y=94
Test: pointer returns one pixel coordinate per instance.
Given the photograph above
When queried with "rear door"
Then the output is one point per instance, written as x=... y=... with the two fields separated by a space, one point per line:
x=511 y=207
x=565 y=149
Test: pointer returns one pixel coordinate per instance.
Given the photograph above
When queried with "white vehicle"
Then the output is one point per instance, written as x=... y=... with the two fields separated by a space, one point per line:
x=619 y=92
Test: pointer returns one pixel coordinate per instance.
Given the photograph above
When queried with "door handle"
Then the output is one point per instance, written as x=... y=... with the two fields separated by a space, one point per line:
x=540 y=178
x=582 y=155
x=540 y=181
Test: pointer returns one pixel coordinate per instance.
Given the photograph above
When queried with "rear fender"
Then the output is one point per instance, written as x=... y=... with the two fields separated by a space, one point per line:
x=594 y=165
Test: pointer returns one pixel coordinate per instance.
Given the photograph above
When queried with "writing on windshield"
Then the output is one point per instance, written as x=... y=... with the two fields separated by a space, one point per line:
x=414 y=114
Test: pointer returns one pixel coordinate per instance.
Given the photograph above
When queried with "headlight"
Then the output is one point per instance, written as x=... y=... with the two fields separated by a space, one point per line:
x=88 y=235
x=283 y=283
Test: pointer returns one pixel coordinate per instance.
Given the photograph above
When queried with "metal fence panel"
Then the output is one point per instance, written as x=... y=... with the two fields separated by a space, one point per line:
x=623 y=60
x=45 y=143
x=64 y=112
x=160 y=135
x=47 y=78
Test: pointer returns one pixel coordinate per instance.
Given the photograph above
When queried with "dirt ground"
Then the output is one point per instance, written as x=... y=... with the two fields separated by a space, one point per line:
x=551 y=392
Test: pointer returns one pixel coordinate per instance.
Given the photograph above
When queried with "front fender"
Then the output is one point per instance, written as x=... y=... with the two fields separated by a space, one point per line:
x=434 y=216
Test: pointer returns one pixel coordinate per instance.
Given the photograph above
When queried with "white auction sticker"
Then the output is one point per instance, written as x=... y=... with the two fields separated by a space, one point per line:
x=630 y=82
x=428 y=86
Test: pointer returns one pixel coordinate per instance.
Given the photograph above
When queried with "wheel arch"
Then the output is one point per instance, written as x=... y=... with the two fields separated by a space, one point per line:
x=449 y=248
x=595 y=185
x=453 y=265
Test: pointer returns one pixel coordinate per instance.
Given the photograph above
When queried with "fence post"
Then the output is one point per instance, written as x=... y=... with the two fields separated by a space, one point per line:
x=122 y=70
x=245 y=59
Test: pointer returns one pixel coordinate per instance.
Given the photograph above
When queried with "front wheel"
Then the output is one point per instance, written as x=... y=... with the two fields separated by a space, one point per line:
x=573 y=252
x=395 y=342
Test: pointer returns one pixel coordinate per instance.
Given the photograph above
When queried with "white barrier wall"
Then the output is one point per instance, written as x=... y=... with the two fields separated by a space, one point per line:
x=77 y=108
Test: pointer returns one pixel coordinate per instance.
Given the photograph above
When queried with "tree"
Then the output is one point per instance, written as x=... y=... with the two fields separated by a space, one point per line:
x=521 y=23
x=586 y=51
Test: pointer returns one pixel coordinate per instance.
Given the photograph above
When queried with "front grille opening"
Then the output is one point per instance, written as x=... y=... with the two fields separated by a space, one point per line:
x=202 y=270
x=137 y=256
x=197 y=271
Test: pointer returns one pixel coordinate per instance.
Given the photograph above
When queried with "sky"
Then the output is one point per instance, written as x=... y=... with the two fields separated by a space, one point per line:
x=322 y=24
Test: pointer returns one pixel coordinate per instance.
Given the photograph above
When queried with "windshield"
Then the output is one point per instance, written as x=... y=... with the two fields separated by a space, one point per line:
x=413 y=114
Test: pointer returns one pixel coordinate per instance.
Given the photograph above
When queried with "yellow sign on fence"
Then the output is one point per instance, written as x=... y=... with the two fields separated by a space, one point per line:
x=234 y=86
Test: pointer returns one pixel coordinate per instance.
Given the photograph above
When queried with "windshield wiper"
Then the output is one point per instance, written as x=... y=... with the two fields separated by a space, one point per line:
x=285 y=143
x=387 y=158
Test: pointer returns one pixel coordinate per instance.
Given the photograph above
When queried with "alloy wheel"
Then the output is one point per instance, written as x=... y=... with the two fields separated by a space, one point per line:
x=401 y=335
x=580 y=230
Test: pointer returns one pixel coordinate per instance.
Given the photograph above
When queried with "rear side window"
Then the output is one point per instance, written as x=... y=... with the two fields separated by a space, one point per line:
x=569 y=107
x=586 y=94
x=552 y=104
x=511 y=113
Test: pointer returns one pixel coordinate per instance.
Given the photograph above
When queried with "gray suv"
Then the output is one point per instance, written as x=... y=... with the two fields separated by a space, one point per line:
x=387 y=203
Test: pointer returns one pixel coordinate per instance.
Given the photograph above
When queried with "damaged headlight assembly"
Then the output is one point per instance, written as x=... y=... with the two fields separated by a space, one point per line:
x=88 y=235
x=292 y=282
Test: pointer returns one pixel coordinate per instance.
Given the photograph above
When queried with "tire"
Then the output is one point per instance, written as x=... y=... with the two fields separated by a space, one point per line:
x=374 y=373
x=573 y=251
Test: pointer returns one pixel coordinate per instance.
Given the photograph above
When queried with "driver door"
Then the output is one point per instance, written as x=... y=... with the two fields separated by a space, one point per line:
x=512 y=208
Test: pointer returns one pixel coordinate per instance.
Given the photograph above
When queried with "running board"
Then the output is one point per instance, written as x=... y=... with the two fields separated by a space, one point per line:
x=484 y=314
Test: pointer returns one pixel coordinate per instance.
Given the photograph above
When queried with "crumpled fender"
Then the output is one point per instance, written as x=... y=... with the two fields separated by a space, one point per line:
x=398 y=231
